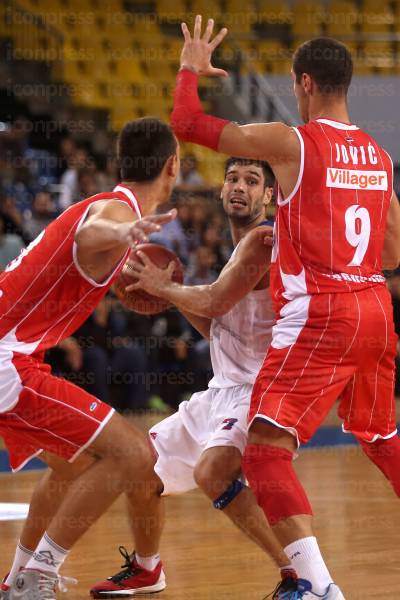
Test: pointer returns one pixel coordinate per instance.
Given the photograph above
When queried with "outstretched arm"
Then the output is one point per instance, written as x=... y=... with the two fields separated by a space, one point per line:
x=275 y=142
x=391 y=247
x=239 y=277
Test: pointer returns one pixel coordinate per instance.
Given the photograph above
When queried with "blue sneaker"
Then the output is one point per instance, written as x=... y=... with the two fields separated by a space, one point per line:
x=305 y=588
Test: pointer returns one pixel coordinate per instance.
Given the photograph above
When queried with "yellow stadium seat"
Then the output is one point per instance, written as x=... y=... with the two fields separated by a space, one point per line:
x=376 y=20
x=207 y=10
x=275 y=12
x=341 y=18
x=308 y=16
x=171 y=11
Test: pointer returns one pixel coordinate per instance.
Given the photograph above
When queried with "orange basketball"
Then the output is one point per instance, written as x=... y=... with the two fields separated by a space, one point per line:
x=139 y=300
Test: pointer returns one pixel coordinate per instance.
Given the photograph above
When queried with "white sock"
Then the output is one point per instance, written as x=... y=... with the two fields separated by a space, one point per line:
x=48 y=556
x=308 y=563
x=22 y=556
x=147 y=562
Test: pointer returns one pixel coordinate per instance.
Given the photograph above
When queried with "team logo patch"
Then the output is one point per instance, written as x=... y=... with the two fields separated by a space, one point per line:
x=229 y=423
x=46 y=557
x=93 y=406
x=352 y=179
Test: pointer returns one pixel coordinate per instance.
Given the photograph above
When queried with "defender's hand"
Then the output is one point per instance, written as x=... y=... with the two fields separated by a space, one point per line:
x=197 y=51
x=132 y=233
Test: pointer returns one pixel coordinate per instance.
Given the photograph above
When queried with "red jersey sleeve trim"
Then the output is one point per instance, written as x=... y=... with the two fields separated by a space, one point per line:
x=282 y=201
x=131 y=197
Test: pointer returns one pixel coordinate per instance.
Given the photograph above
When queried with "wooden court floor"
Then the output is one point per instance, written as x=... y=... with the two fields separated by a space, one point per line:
x=206 y=558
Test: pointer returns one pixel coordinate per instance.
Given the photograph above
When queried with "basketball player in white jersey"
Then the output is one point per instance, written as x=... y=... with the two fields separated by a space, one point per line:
x=202 y=444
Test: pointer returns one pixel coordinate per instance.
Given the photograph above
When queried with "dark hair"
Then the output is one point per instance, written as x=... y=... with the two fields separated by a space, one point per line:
x=327 y=61
x=269 y=177
x=144 y=146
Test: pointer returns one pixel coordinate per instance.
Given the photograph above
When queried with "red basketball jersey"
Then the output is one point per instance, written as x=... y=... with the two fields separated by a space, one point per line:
x=44 y=294
x=330 y=229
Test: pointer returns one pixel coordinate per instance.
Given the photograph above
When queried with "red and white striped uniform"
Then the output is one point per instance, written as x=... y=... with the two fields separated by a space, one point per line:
x=329 y=291
x=44 y=297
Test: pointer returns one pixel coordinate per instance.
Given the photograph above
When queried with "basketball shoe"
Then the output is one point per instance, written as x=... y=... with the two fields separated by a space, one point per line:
x=332 y=593
x=300 y=589
x=35 y=585
x=133 y=580
x=32 y=584
x=4 y=590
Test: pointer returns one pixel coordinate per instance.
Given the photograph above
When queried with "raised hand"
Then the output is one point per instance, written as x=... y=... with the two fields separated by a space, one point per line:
x=197 y=51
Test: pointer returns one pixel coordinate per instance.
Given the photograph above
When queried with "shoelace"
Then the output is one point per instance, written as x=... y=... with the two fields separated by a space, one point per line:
x=127 y=569
x=48 y=584
x=64 y=581
x=287 y=589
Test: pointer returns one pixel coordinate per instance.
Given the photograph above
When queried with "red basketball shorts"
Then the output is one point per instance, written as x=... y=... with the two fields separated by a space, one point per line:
x=49 y=414
x=326 y=347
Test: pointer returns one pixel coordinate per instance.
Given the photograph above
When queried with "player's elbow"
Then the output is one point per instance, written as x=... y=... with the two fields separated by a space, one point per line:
x=218 y=307
x=391 y=263
x=391 y=257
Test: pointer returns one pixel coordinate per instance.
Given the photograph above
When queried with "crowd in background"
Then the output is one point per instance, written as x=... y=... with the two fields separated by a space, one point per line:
x=131 y=361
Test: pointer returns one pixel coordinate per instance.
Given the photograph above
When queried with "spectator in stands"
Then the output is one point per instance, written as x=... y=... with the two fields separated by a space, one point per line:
x=13 y=222
x=78 y=160
x=107 y=179
x=201 y=271
x=10 y=245
x=87 y=184
x=43 y=213
x=188 y=174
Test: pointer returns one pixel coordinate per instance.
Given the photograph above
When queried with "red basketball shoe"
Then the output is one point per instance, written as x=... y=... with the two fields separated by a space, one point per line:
x=4 y=590
x=133 y=580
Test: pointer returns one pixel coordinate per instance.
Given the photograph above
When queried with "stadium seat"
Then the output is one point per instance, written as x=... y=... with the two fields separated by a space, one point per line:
x=308 y=16
x=341 y=18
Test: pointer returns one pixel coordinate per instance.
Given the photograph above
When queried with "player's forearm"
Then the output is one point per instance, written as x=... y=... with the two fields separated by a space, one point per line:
x=202 y=324
x=188 y=119
x=101 y=235
x=198 y=300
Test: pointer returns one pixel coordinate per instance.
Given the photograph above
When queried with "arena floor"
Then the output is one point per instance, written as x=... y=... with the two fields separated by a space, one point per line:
x=206 y=558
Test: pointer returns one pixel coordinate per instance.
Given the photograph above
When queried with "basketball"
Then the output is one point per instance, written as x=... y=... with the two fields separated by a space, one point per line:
x=139 y=300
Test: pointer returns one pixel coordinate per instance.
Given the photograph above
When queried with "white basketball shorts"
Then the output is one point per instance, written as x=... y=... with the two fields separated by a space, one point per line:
x=215 y=417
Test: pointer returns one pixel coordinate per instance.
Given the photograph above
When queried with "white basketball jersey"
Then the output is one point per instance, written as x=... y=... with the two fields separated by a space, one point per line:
x=239 y=340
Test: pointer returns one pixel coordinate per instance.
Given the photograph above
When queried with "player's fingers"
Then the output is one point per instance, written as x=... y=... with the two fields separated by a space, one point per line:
x=145 y=259
x=186 y=32
x=136 y=265
x=209 y=30
x=218 y=72
x=133 y=286
x=269 y=240
x=171 y=269
x=218 y=38
x=197 y=27
x=164 y=217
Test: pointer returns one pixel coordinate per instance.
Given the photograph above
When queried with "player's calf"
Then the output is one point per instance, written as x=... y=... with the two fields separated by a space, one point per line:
x=385 y=454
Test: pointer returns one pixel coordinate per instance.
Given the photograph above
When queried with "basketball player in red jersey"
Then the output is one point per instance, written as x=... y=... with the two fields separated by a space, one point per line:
x=45 y=295
x=338 y=224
